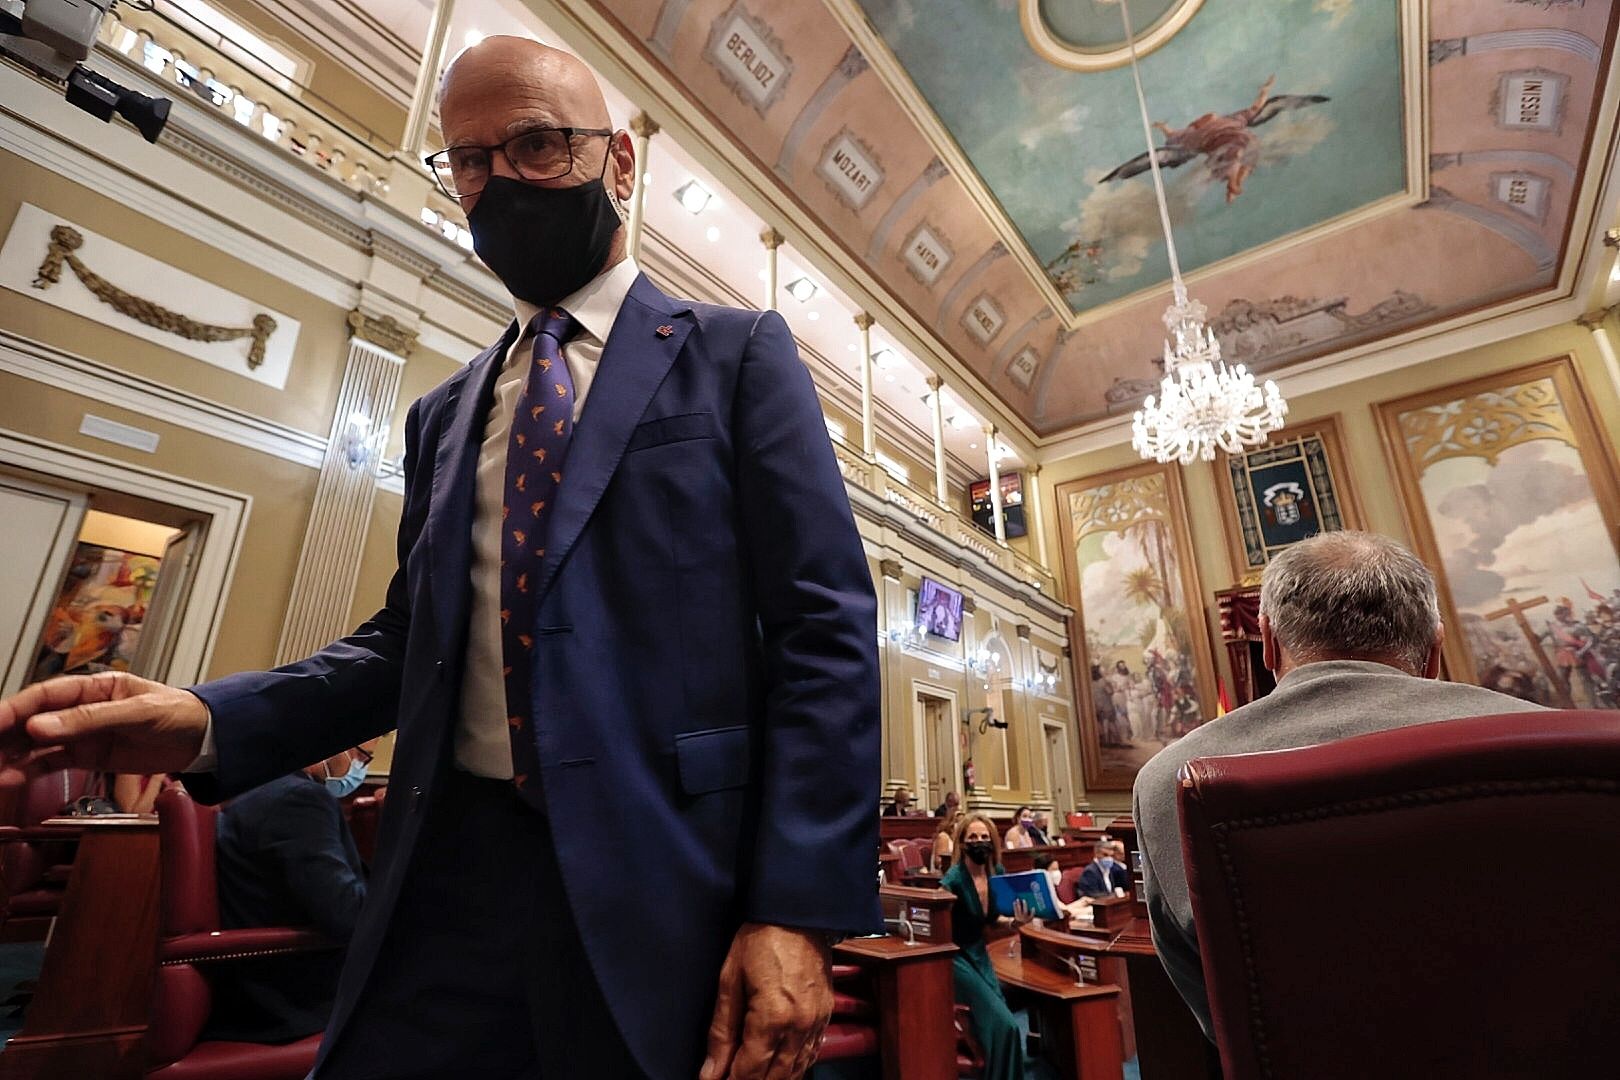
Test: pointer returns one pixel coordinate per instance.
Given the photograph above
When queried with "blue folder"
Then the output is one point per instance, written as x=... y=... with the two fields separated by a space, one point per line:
x=1033 y=887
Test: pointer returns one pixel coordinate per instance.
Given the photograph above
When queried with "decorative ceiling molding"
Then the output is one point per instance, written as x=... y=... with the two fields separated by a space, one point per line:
x=1051 y=46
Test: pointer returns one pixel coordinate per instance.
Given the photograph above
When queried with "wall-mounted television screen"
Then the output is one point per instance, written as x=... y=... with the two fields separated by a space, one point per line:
x=1012 y=504
x=939 y=610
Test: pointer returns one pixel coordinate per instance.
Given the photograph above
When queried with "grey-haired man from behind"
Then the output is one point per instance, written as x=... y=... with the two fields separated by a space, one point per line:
x=1350 y=625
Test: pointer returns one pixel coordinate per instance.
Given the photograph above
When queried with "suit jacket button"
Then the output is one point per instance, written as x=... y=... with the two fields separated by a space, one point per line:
x=416 y=799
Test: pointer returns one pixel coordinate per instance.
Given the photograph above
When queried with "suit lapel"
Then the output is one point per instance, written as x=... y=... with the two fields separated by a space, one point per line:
x=450 y=512
x=645 y=340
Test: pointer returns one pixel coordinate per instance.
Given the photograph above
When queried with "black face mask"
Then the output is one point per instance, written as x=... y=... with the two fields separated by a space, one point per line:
x=543 y=243
x=979 y=850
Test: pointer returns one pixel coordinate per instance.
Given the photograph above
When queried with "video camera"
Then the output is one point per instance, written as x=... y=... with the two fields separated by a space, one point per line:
x=51 y=37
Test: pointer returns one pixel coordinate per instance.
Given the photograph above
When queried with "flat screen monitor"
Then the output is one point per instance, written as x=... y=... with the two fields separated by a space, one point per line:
x=939 y=610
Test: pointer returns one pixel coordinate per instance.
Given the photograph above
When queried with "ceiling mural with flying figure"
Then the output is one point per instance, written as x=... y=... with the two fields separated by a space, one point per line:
x=1339 y=173
x=1255 y=143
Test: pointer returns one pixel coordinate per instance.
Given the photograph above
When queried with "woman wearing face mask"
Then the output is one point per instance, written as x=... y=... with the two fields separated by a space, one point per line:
x=974 y=977
x=1023 y=833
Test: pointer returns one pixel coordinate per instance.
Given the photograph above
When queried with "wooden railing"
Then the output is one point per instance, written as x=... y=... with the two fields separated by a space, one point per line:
x=943 y=519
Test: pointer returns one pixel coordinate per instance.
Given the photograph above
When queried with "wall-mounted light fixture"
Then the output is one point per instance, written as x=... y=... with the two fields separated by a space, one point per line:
x=694 y=196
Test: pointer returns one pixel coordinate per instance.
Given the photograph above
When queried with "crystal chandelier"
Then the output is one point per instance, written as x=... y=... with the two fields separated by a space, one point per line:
x=1202 y=403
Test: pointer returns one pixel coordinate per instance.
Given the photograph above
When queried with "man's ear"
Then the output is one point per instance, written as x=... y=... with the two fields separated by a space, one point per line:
x=1270 y=652
x=623 y=153
x=1431 y=665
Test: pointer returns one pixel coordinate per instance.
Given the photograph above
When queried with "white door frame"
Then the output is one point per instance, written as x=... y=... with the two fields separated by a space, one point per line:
x=226 y=511
x=919 y=729
x=1051 y=723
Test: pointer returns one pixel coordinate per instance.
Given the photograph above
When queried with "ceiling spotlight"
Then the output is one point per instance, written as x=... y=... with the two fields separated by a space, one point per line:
x=812 y=315
x=802 y=289
x=884 y=359
x=646 y=178
x=889 y=377
x=851 y=347
x=958 y=422
x=473 y=38
x=973 y=446
x=694 y=196
x=712 y=233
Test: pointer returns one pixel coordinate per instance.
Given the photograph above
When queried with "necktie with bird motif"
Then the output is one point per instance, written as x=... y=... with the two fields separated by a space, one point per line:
x=542 y=424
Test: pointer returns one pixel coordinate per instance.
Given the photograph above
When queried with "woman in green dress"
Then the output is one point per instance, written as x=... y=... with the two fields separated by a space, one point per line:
x=976 y=985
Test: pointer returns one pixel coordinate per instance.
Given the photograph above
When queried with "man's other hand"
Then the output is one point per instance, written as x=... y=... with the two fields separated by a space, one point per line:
x=111 y=722
x=774 y=1003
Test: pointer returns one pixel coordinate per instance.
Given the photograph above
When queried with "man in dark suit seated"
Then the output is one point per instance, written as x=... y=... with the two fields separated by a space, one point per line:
x=1350 y=625
x=285 y=858
x=1104 y=873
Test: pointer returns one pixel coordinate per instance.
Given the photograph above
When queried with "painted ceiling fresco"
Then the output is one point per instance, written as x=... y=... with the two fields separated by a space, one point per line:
x=952 y=156
x=1256 y=143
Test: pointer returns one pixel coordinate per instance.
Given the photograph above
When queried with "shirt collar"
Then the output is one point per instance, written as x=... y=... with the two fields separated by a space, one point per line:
x=595 y=305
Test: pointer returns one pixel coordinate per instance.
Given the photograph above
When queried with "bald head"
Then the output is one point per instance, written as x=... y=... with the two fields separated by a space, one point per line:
x=547 y=79
x=504 y=86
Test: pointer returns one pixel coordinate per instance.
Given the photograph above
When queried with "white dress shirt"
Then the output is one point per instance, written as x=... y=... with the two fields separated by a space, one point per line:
x=483 y=740
x=483 y=743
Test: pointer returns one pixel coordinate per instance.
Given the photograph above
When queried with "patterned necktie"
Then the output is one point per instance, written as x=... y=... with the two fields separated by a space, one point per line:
x=542 y=423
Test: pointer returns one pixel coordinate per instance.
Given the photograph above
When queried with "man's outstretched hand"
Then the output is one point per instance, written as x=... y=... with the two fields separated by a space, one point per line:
x=111 y=722
x=774 y=1002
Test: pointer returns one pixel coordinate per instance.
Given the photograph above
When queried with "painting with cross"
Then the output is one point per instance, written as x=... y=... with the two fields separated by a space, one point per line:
x=1512 y=495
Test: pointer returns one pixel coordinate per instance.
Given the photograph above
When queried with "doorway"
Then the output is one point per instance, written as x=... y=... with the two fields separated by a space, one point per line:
x=940 y=739
x=108 y=567
x=1057 y=769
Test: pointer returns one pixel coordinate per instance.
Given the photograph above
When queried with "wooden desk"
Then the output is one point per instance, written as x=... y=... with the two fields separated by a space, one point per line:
x=913 y=988
x=88 y=1015
x=928 y=910
x=1169 y=1043
x=1079 y=1024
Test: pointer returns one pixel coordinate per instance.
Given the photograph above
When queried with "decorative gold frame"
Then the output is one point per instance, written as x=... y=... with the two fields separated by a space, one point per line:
x=1096 y=779
x=1327 y=429
x=1597 y=458
x=1055 y=50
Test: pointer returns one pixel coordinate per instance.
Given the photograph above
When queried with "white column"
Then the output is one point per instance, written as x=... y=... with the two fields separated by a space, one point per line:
x=334 y=540
x=427 y=80
x=1605 y=344
x=995 y=483
x=772 y=240
x=868 y=433
x=1032 y=506
x=642 y=129
x=941 y=487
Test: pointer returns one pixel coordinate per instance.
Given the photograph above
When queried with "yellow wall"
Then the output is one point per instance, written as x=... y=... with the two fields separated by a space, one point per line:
x=1369 y=473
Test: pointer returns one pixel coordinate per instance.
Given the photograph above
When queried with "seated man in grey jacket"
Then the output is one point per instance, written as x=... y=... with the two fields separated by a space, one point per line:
x=1350 y=625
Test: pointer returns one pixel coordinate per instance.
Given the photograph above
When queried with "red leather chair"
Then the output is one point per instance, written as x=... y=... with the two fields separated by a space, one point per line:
x=1437 y=900
x=1079 y=821
x=191 y=943
x=34 y=867
x=1068 y=888
x=852 y=1032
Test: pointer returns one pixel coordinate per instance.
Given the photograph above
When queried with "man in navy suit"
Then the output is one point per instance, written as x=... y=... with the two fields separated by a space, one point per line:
x=285 y=857
x=660 y=626
x=1104 y=873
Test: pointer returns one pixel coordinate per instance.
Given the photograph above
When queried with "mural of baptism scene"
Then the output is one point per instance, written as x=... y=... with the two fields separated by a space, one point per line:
x=1517 y=497
x=1146 y=655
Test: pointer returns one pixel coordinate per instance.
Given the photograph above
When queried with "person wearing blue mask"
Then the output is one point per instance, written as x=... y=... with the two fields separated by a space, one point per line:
x=285 y=857
x=1104 y=874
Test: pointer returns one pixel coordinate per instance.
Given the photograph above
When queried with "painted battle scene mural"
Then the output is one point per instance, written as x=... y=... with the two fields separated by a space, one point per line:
x=1146 y=652
x=1518 y=510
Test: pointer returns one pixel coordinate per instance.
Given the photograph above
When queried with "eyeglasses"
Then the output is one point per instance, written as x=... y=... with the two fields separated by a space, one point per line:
x=537 y=154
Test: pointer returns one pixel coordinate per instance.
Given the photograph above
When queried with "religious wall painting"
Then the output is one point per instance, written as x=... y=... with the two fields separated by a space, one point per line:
x=1278 y=494
x=1143 y=667
x=95 y=623
x=1511 y=493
